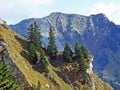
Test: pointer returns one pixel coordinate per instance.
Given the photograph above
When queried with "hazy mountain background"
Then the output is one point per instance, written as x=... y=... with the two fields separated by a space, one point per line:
x=99 y=34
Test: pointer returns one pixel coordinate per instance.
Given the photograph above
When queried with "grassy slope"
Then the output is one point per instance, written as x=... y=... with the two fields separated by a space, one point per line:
x=100 y=85
x=15 y=48
x=19 y=52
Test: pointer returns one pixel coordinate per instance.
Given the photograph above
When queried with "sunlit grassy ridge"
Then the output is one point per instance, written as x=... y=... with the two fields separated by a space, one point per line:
x=17 y=46
x=100 y=85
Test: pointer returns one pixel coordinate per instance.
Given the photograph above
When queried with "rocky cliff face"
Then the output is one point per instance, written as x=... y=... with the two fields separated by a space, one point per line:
x=17 y=74
x=99 y=34
x=90 y=65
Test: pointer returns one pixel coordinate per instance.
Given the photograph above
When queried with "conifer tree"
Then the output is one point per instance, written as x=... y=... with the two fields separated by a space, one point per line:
x=6 y=82
x=82 y=65
x=33 y=54
x=35 y=38
x=35 y=35
x=43 y=63
x=77 y=47
x=84 y=51
x=67 y=53
x=52 y=47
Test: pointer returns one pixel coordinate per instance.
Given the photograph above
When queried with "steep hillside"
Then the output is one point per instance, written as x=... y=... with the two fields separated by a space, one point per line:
x=99 y=34
x=19 y=54
x=17 y=47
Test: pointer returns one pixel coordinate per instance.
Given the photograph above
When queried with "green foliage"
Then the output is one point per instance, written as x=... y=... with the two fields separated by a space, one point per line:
x=43 y=63
x=67 y=53
x=52 y=47
x=77 y=47
x=37 y=87
x=84 y=51
x=35 y=35
x=32 y=52
x=82 y=65
x=6 y=82
x=35 y=45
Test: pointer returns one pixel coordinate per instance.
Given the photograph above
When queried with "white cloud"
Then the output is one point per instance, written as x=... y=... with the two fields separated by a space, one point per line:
x=39 y=1
x=16 y=10
x=111 y=10
x=33 y=2
x=13 y=11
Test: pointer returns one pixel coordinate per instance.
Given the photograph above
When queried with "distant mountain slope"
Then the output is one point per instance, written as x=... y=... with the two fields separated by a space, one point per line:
x=99 y=34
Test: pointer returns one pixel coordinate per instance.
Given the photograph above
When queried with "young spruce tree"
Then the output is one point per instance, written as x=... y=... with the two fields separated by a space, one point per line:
x=84 y=51
x=35 y=35
x=35 y=44
x=67 y=53
x=6 y=82
x=33 y=54
x=82 y=65
x=52 y=47
x=43 y=62
x=77 y=47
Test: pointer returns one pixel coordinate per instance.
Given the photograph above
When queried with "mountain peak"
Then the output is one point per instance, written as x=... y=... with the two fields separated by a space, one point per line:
x=100 y=17
x=93 y=15
x=99 y=14
x=60 y=13
x=56 y=13
x=96 y=17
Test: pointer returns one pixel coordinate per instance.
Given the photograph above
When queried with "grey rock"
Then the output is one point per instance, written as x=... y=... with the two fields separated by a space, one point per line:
x=17 y=74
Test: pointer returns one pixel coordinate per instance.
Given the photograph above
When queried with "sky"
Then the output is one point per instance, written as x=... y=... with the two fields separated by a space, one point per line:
x=13 y=11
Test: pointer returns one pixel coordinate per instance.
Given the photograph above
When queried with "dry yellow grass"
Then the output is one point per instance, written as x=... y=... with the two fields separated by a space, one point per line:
x=15 y=48
x=100 y=85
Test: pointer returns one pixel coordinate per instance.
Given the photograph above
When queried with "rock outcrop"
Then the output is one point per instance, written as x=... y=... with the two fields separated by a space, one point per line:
x=90 y=72
x=17 y=74
x=90 y=65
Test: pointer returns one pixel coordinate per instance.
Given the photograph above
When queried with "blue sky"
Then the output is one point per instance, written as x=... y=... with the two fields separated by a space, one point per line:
x=14 y=11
